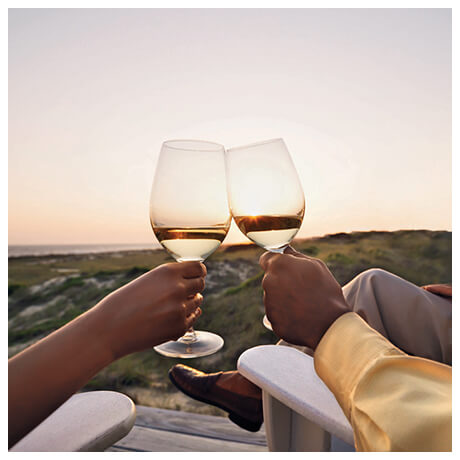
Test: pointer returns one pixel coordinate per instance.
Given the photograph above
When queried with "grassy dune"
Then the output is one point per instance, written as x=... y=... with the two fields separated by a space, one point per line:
x=47 y=292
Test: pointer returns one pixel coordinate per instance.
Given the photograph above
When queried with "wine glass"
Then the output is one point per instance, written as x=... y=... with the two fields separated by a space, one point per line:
x=265 y=194
x=190 y=217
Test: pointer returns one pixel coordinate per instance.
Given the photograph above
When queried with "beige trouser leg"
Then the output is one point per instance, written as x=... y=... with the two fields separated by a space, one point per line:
x=416 y=321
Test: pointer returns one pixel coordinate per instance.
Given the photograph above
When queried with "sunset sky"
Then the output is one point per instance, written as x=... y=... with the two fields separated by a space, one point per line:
x=362 y=99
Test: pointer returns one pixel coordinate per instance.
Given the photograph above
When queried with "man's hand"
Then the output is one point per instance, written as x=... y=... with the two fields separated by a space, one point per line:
x=302 y=298
x=444 y=290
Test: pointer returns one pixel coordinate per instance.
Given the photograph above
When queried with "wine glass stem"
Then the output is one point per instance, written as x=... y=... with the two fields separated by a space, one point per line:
x=189 y=336
x=279 y=250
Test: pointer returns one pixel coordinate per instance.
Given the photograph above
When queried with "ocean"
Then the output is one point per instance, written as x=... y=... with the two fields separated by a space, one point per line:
x=43 y=250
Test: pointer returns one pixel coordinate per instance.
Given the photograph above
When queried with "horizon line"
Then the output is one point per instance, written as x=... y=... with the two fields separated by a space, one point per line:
x=231 y=244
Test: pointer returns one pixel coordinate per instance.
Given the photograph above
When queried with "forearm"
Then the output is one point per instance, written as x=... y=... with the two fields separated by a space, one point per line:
x=156 y=307
x=57 y=366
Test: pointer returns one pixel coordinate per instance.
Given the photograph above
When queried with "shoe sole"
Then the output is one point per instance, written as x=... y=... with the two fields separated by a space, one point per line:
x=242 y=422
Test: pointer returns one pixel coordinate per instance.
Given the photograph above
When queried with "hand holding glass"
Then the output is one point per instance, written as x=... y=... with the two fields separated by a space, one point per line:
x=190 y=217
x=265 y=194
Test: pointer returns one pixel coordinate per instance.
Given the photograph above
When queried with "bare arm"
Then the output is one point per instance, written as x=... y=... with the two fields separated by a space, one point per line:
x=158 y=306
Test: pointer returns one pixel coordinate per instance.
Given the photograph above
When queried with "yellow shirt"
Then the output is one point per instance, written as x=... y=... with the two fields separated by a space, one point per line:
x=394 y=402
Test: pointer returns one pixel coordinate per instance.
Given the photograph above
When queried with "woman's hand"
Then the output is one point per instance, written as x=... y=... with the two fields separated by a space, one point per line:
x=444 y=290
x=154 y=308
x=302 y=298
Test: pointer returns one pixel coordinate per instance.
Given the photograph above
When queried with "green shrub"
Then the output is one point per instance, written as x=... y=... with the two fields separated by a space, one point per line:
x=12 y=288
x=137 y=271
x=339 y=258
x=431 y=251
x=251 y=282
x=310 y=251
x=43 y=327
x=104 y=273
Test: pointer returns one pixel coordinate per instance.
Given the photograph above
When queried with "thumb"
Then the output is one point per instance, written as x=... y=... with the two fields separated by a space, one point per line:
x=265 y=259
x=190 y=320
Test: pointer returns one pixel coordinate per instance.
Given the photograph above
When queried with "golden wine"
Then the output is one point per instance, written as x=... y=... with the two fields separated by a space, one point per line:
x=270 y=232
x=194 y=243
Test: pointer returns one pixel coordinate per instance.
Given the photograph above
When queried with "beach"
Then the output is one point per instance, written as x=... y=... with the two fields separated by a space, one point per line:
x=47 y=291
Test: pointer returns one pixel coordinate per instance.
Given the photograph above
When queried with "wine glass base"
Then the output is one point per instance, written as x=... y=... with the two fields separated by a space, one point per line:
x=206 y=344
x=267 y=323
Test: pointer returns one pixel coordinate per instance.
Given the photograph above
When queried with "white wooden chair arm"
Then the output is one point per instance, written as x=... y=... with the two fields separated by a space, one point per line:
x=90 y=421
x=289 y=376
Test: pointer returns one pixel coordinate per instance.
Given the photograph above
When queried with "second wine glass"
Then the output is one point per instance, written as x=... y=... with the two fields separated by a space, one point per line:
x=265 y=194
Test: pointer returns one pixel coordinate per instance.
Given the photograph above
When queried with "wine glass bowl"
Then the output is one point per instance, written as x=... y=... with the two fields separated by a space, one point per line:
x=190 y=217
x=265 y=194
x=273 y=233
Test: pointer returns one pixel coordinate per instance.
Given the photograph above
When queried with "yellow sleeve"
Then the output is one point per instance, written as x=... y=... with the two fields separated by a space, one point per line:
x=394 y=402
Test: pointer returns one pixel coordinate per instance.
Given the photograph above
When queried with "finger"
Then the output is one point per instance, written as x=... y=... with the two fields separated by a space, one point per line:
x=439 y=289
x=268 y=310
x=269 y=281
x=194 y=285
x=190 y=320
x=266 y=258
x=292 y=252
x=443 y=292
x=265 y=302
x=193 y=269
x=193 y=303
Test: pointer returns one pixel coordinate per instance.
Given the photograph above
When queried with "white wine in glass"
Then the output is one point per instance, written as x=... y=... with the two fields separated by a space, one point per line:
x=265 y=194
x=270 y=232
x=190 y=217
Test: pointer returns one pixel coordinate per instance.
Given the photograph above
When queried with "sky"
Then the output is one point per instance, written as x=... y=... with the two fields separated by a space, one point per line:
x=362 y=99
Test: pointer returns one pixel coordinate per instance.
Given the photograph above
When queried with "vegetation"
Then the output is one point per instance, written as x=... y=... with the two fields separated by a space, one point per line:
x=47 y=292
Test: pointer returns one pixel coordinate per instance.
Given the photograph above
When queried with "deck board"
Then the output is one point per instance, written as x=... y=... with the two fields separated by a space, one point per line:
x=161 y=430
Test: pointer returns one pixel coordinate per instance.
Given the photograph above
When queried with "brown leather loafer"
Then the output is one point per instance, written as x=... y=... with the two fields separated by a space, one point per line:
x=245 y=411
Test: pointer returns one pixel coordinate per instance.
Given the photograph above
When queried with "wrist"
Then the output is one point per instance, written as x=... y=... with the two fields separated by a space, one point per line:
x=335 y=313
x=104 y=330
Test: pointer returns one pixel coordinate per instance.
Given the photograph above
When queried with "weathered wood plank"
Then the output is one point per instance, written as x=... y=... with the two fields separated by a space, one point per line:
x=197 y=424
x=150 y=440
x=161 y=430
